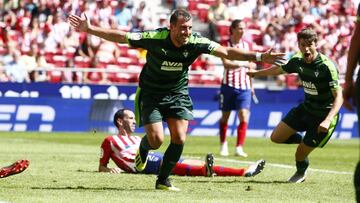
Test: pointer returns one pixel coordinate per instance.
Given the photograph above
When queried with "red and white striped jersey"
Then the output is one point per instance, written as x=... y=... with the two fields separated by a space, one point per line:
x=237 y=78
x=122 y=150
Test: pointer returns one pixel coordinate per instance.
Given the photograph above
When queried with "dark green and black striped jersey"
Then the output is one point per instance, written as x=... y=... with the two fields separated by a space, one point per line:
x=166 y=67
x=319 y=78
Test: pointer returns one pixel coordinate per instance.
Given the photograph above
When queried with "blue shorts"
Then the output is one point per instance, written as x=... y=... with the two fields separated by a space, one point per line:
x=234 y=99
x=154 y=162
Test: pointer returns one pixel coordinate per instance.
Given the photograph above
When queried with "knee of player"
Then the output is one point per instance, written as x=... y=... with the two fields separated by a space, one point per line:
x=274 y=138
x=178 y=140
x=156 y=142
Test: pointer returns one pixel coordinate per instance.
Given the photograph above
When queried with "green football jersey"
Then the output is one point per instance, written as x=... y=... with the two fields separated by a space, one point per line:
x=166 y=68
x=318 y=78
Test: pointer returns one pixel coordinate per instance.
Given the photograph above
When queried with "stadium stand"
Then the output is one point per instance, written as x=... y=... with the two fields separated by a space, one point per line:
x=70 y=55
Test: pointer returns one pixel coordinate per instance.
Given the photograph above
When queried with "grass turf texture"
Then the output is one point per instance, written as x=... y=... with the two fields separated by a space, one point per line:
x=63 y=169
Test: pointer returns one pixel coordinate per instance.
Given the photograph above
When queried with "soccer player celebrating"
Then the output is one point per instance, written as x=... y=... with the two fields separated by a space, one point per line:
x=235 y=91
x=121 y=148
x=318 y=114
x=163 y=93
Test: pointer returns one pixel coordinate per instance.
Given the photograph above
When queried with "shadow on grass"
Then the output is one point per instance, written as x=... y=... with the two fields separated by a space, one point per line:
x=89 y=188
x=235 y=181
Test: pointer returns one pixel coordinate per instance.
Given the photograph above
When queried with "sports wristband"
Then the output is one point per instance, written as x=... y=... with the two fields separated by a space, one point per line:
x=258 y=56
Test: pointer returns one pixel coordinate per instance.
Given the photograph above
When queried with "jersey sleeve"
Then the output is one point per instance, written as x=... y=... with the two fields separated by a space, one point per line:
x=105 y=152
x=144 y=39
x=204 y=45
x=358 y=14
x=334 y=76
x=290 y=66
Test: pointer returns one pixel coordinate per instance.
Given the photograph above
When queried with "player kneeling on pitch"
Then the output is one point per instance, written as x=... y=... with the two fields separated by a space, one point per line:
x=318 y=114
x=121 y=148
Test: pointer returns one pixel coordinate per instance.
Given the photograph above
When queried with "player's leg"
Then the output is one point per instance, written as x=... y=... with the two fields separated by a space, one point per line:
x=250 y=171
x=152 y=140
x=147 y=114
x=242 y=105
x=227 y=103
x=223 y=126
x=282 y=133
x=311 y=140
x=286 y=131
x=191 y=167
x=241 y=131
x=178 y=129
x=302 y=163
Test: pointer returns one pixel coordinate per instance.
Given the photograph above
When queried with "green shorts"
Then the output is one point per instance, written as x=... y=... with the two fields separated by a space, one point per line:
x=153 y=108
x=301 y=120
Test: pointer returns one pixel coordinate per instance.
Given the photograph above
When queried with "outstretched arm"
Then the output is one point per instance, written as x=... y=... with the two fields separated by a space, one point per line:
x=276 y=70
x=232 y=53
x=83 y=25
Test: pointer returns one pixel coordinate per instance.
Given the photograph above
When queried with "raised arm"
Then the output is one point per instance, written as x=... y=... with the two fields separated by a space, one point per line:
x=275 y=70
x=232 y=53
x=83 y=25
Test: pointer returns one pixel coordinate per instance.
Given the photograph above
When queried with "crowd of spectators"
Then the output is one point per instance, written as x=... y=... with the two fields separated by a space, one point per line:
x=35 y=38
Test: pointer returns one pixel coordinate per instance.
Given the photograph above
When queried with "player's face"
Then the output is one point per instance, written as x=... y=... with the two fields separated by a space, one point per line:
x=239 y=29
x=308 y=49
x=129 y=122
x=181 y=32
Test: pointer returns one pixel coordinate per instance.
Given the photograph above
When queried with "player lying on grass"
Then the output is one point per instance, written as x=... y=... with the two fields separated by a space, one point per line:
x=318 y=114
x=15 y=168
x=121 y=148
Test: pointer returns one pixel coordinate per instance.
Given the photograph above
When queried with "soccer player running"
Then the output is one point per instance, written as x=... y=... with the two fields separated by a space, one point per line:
x=351 y=91
x=122 y=148
x=318 y=114
x=163 y=93
x=235 y=91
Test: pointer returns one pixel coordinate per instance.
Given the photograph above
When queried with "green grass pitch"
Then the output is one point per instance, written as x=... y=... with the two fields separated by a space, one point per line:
x=63 y=169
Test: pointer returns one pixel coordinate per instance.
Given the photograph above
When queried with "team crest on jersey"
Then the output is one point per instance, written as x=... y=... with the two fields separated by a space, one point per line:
x=135 y=36
x=186 y=53
x=301 y=69
x=316 y=73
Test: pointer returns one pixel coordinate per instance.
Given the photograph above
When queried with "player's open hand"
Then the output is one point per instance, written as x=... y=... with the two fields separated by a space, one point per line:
x=277 y=59
x=115 y=170
x=81 y=24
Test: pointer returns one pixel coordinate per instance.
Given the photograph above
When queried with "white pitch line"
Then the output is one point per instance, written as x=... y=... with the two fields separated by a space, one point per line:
x=278 y=165
x=288 y=166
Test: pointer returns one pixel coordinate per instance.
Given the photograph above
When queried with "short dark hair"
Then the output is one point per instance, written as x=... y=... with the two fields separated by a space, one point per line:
x=233 y=25
x=119 y=114
x=308 y=35
x=179 y=13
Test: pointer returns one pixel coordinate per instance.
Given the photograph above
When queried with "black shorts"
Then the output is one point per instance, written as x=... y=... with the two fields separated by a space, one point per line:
x=301 y=120
x=153 y=108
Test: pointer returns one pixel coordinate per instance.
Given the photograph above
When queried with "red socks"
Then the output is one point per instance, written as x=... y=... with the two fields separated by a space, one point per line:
x=188 y=170
x=223 y=129
x=241 y=133
x=225 y=171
